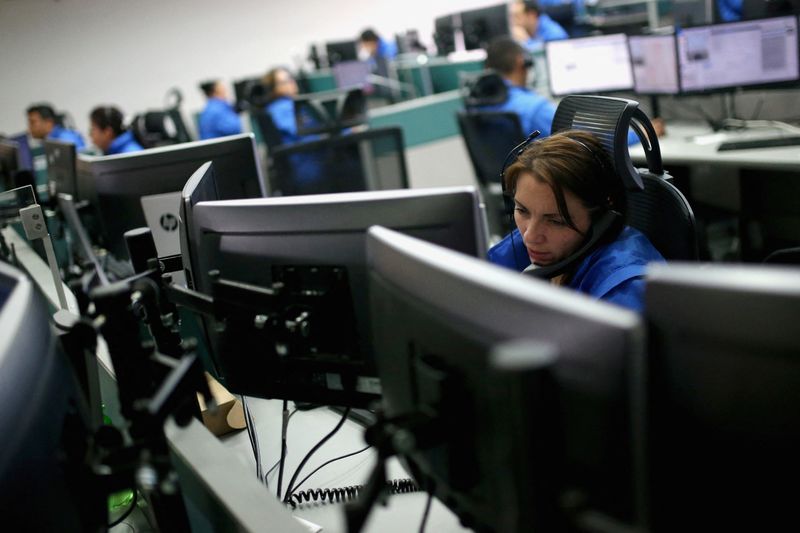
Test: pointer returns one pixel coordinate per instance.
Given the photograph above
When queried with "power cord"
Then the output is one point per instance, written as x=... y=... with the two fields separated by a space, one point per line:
x=253 y=435
x=326 y=463
x=426 y=512
x=127 y=513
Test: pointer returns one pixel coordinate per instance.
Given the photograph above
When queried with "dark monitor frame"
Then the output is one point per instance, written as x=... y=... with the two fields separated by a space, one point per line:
x=493 y=22
x=253 y=241
x=62 y=167
x=341 y=51
x=25 y=155
x=9 y=163
x=330 y=111
x=677 y=69
x=733 y=88
x=444 y=35
x=621 y=88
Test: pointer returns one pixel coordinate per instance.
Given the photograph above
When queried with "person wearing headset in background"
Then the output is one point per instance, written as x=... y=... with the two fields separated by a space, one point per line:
x=506 y=57
x=569 y=209
x=532 y=27
x=218 y=119
x=109 y=134
x=281 y=88
x=42 y=125
x=375 y=50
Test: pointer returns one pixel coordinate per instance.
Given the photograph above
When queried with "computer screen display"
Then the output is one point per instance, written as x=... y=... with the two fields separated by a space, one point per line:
x=722 y=375
x=502 y=454
x=341 y=51
x=482 y=25
x=330 y=111
x=348 y=74
x=125 y=187
x=589 y=65
x=61 y=167
x=738 y=54
x=655 y=64
x=314 y=246
x=444 y=35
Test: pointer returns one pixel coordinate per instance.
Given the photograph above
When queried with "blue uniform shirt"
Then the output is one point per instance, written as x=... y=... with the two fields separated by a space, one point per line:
x=613 y=272
x=730 y=10
x=219 y=119
x=387 y=49
x=124 y=143
x=548 y=30
x=71 y=136
x=535 y=111
x=307 y=168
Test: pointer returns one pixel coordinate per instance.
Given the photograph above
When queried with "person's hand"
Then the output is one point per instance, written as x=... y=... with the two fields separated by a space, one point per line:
x=518 y=33
x=659 y=126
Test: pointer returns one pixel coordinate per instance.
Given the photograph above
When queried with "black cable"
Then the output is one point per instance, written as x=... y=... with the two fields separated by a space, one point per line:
x=273 y=467
x=425 y=513
x=313 y=450
x=127 y=513
x=326 y=463
x=284 y=430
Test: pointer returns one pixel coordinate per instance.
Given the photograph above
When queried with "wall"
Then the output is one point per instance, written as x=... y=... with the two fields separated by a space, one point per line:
x=81 y=53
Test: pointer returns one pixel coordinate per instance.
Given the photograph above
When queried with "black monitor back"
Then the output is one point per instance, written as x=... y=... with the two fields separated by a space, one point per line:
x=482 y=25
x=9 y=163
x=364 y=161
x=61 y=167
x=723 y=374
x=341 y=51
x=444 y=35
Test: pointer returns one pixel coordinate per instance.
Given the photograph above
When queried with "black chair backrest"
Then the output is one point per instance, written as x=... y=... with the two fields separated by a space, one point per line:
x=368 y=160
x=656 y=207
x=269 y=132
x=159 y=128
x=784 y=256
x=489 y=136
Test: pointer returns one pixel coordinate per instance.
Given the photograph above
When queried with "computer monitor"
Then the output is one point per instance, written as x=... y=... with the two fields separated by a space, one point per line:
x=143 y=188
x=349 y=74
x=482 y=25
x=61 y=167
x=589 y=65
x=503 y=456
x=365 y=161
x=330 y=111
x=755 y=9
x=692 y=12
x=655 y=64
x=738 y=54
x=723 y=370
x=9 y=163
x=444 y=35
x=200 y=187
x=341 y=51
x=315 y=246
x=25 y=155
x=244 y=91
x=44 y=434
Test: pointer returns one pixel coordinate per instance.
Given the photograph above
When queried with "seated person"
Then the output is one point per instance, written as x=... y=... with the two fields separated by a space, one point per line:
x=281 y=88
x=508 y=59
x=108 y=133
x=532 y=27
x=42 y=125
x=569 y=209
x=729 y=10
x=372 y=48
x=218 y=119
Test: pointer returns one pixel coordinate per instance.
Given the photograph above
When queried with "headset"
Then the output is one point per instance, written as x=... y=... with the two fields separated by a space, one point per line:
x=609 y=222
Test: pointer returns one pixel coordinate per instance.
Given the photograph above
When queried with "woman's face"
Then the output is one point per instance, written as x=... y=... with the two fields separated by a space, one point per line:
x=545 y=233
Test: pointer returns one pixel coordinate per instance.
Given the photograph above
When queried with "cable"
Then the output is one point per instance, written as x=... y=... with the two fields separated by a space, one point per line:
x=326 y=463
x=341 y=494
x=284 y=429
x=273 y=467
x=127 y=513
x=313 y=450
x=253 y=435
x=425 y=513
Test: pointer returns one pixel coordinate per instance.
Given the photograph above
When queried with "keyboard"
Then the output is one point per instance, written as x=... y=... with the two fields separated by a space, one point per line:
x=767 y=142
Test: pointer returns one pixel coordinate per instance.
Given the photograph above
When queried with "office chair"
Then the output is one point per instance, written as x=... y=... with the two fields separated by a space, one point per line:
x=655 y=206
x=784 y=256
x=365 y=161
x=159 y=128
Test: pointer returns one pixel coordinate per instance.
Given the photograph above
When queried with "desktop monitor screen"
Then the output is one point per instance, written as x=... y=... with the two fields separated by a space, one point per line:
x=143 y=188
x=349 y=74
x=444 y=35
x=589 y=65
x=655 y=64
x=738 y=54
x=341 y=51
x=315 y=246
x=722 y=387
x=502 y=462
x=61 y=167
x=482 y=25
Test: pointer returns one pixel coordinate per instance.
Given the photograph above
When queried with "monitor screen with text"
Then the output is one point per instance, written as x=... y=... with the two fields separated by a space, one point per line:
x=738 y=54
x=655 y=64
x=589 y=65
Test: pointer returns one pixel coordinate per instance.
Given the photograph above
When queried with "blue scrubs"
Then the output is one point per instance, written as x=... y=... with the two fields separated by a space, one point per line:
x=730 y=10
x=535 y=111
x=71 y=136
x=305 y=167
x=548 y=30
x=219 y=119
x=124 y=143
x=613 y=272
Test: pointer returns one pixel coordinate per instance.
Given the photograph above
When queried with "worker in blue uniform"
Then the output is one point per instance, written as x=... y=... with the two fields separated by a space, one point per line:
x=532 y=27
x=372 y=46
x=506 y=57
x=569 y=209
x=730 y=10
x=108 y=132
x=218 y=119
x=42 y=124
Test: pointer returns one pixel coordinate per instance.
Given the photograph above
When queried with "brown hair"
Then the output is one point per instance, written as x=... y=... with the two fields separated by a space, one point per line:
x=269 y=80
x=576 y=161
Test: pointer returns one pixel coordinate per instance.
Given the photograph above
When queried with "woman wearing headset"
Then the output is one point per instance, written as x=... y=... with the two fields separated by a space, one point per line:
x=569 y=209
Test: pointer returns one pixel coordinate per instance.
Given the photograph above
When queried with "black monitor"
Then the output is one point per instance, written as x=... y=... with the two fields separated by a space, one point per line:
x=315 y=246
x=655 y=64
x=755 y=9
x=723 y=374
x=341 y=51
x=365 y=161
x=244 y=91
x=482 y=25
x=349 y=74
x=61 y=167
x=25 y=155
x=444 y=35
x=504 y=456
x=44 y=436
x=143 y=188
x=598 y=64
x=753 y=53
x=692 y=12
x=9 y=163
x=330 y=111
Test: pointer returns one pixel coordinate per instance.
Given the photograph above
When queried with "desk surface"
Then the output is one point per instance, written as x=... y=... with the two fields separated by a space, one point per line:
x=678 y=147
